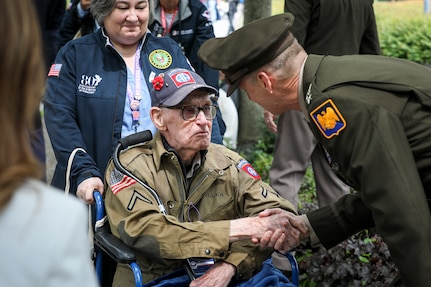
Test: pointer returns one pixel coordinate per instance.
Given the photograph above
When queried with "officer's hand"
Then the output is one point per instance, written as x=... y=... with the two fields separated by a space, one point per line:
x=218 y=275
x=270 y=121
x=87 y=187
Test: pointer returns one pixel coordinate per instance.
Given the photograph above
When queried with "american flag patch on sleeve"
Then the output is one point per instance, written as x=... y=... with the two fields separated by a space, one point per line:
x=120 y=181
x=54 y=71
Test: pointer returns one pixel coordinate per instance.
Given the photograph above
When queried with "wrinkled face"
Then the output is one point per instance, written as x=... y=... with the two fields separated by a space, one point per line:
x=128 y=21
x=276 y=96
x=260 y=96
x=188 y=136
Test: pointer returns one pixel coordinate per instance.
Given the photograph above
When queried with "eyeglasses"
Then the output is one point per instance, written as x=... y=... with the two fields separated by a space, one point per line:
x=190 y=113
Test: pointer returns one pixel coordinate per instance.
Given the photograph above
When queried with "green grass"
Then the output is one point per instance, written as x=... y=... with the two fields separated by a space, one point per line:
x=399 y=9
x=383 y=9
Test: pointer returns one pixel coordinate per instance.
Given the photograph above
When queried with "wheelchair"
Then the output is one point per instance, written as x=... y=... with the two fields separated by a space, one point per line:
x=106 y=244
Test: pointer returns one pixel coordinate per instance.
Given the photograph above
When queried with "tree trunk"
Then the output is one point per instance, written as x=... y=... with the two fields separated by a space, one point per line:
x=251 y=114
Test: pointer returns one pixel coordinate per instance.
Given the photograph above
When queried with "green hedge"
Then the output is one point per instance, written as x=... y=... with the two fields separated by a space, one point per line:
x=408 y=39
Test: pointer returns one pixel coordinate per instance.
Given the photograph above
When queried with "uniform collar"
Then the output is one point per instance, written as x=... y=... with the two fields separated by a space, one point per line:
x=301 y=92
x=308 y=81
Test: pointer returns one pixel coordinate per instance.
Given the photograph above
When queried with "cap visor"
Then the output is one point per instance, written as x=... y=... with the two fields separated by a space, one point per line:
x=232 y=87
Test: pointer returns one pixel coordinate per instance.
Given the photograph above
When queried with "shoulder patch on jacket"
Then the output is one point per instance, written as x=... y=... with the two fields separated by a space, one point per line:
x=246 y=166
x=119 y=181
x=54 y=71
x=328 y=119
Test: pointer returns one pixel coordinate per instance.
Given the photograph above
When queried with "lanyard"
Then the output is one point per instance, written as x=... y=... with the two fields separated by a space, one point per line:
x=135 y=98
x=164 y=24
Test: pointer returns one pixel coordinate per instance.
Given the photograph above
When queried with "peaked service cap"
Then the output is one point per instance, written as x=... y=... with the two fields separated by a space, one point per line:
x=173 y=86
x=248 y=48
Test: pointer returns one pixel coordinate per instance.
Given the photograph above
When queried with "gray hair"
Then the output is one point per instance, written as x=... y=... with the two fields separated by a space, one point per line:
x=102 y=8
x=281 y=66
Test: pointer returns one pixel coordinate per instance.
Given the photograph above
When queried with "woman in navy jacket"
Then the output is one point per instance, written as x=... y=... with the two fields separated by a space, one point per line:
x=98 y=91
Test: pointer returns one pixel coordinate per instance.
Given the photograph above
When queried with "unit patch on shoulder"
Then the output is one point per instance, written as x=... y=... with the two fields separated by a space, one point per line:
x=328 y=119
x=246 y=166
x=160 y=59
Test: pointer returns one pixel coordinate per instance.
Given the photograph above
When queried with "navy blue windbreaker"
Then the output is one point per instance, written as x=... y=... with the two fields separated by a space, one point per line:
x=85 y=98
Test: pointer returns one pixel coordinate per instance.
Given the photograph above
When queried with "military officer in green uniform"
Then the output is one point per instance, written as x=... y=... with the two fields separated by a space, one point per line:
x=371 y=114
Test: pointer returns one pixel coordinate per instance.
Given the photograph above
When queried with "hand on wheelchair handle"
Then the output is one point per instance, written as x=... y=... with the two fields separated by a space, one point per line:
x=87 y=187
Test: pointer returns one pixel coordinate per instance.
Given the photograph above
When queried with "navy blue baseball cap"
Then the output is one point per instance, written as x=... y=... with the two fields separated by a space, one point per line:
x=173 y=86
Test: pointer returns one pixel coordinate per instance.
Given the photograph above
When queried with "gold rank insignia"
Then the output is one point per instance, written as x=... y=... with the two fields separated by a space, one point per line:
x=160 y=59
x=328 y=119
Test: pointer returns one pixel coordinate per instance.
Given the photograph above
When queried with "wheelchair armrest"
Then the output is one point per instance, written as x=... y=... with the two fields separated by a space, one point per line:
x=113 y=246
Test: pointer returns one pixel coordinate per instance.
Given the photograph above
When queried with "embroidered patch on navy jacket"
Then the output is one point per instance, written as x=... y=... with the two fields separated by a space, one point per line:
x=328 y=119
x=160 y=59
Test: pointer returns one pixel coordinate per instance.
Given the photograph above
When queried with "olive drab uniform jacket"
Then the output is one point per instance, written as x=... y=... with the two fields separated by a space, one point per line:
x=223 y=186
x=372 y=114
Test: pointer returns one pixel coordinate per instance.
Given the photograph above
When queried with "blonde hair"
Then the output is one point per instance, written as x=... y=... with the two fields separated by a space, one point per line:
x=21 y=87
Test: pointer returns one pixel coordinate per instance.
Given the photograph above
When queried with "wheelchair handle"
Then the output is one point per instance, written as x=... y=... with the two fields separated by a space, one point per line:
x=126 y=142
x=134 y=139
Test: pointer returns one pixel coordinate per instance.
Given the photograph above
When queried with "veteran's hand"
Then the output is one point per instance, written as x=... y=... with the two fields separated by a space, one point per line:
x=86 y=188
x=296 y=221
x=270 y=121
x=218 y=275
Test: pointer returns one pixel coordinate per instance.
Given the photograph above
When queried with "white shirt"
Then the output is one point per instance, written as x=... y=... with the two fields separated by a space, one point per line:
x=44 y=239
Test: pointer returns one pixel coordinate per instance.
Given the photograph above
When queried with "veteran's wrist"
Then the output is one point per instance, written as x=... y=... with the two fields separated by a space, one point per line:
x=241 y=229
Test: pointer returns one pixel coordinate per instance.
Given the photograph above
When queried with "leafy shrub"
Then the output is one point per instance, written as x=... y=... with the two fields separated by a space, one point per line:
x=404 y=31
x=409 y=40
x=260 y=155
x=362 y=260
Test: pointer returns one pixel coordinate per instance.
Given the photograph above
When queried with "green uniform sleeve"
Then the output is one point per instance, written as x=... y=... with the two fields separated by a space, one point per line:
x=374 y=154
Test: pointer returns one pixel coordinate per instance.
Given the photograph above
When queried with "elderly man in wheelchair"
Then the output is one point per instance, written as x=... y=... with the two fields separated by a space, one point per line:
x=190 y=208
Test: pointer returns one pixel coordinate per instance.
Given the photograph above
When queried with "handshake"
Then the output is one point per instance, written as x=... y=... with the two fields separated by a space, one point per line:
x=275 y=228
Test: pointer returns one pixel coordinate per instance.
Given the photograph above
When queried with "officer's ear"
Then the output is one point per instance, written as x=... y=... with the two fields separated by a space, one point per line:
x=156 y=117
x=264 y=81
